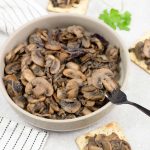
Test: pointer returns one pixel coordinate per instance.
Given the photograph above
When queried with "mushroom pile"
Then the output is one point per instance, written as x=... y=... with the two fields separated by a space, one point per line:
x=64 y=3
x=142 y=51
x=103 y=142
x=62 y=73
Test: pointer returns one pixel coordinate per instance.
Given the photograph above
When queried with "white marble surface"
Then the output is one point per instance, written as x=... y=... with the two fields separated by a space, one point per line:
x=135 y=124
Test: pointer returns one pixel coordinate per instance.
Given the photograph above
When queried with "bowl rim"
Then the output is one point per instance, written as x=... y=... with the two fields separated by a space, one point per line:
x=10 y=101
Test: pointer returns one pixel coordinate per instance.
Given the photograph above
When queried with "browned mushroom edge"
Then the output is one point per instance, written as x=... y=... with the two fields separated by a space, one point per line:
x=61 y=73
x=103 y=142
x=142 y=51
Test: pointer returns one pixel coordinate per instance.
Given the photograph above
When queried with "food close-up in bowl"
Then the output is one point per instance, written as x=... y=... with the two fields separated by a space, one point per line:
x=62 y=73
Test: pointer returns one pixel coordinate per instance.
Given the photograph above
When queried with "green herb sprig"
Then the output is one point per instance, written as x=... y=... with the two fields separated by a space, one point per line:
x=116 y=19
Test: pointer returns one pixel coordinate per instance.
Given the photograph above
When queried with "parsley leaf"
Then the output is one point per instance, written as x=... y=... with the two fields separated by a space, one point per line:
x=115 y=19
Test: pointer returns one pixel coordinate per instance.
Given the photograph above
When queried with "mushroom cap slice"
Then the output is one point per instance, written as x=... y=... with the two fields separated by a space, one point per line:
x=109 y=84
x=53 y=63
x=21 y=101
x=53 y=45
x=9 y=78
x=146 y=49
x=34 y=100
x=99 y=75
x=104 y=76
x=86 y=42
x=41 y=83
x=70 y=105
x=35 y=38
x=72 y=65
x=37 y=107
x=120 y=144
x=11 y=55
x=94 y=95
x=13 y=67
x=28 y=88
x=25 y=61
x=86 y=111
x=74 y=74
x=37 y=57
x=61 y=93
x=37 y=70
x=77 y=30
x=112 y=53
x=72 y=88
x=28 y=75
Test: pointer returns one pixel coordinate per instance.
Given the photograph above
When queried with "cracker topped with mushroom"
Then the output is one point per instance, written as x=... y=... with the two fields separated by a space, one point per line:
x=108 y=137
x=140 y=53
x=62 y=73
x=69 y=6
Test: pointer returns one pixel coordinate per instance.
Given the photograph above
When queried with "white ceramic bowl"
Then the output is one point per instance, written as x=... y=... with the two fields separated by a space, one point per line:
x=61 y=20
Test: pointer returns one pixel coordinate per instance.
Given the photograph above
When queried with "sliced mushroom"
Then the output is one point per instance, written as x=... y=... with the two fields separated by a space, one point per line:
x=109 y=84
x=86 y=42
x=63 y=4
x=14 y=87
x=37 y=58
x=98 y=43
x=87 y=103
x=88 y=88
x=25 y=61
x=72 y=88
x=11 y=55
x=54 y=105
x=34 y=100
x=35 y=108
x=120 y=144
x=28 y=88
x=21 y=101
x=77 y=30
x=37 y=70
x=7 y=79
x=23 y=80
x=94 y=95
x=86 y=111
x=138 y=50
x=13 y=68
x=70 y=116
x=70 y=105
x=104 y=76
x=31 y=47
x=61 y=94
x=42 y=84
x=74 y=74
x=112 y=53
x=28 y=75
x=146 y=48
x=35 y=38
x=62 y=56
x=72 y=65
x=53 y=45
x=53 y=63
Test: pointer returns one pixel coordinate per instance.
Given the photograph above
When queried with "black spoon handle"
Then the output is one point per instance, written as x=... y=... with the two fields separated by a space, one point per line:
x=144 y=110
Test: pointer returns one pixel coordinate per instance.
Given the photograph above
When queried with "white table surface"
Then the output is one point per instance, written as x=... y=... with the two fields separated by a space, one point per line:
x=135 y=124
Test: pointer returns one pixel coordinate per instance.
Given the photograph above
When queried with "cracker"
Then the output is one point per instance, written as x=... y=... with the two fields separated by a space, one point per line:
x=134 y=59
x=80 y=8
x=107 y=130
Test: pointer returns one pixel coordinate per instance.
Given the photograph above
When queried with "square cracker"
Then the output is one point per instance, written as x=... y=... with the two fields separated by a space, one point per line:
x=80 y=8
x=134 y=59
x=107 y=130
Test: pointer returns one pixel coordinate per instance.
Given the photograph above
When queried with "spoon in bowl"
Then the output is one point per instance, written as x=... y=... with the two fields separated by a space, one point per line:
x=118 y=97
